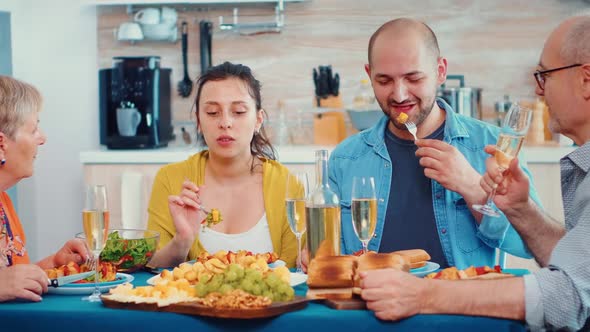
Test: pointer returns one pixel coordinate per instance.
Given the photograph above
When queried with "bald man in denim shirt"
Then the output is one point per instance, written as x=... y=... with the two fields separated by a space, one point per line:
x=557 y=297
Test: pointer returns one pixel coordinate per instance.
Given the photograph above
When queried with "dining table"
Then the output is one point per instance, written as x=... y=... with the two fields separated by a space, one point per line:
x=58 y=312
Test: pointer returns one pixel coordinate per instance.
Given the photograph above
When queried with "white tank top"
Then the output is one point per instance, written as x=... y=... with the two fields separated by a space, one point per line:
x=256 y=239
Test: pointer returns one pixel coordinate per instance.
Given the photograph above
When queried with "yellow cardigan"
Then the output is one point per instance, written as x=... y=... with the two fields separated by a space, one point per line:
x=169 y=181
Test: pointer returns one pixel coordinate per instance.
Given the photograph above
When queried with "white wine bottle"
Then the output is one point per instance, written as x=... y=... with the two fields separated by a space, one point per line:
x=322 y=210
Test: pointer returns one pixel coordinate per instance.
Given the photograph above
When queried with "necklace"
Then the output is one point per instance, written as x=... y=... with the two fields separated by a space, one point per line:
x=9 y=244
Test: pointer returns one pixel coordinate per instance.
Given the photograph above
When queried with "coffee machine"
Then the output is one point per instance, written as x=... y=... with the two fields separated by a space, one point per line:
x=134 y=101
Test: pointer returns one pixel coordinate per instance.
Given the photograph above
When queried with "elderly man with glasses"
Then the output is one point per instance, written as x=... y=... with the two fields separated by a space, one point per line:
x=558 y=295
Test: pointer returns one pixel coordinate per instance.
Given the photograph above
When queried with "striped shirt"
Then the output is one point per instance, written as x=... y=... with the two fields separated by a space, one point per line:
x=558 y=296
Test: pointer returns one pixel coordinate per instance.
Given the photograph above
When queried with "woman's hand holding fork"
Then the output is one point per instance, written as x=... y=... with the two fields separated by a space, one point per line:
x=185 y=210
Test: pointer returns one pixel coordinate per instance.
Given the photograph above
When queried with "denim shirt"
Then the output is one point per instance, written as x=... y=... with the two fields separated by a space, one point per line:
x=464 y=242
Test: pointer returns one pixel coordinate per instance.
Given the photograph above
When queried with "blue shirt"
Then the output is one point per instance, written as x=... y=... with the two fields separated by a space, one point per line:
x=464 y=242
x=409 y=220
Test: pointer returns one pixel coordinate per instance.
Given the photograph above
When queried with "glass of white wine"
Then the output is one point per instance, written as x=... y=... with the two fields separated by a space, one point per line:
x=364 y=209
x=95 y=220
x=297 y=190
x=514 y=128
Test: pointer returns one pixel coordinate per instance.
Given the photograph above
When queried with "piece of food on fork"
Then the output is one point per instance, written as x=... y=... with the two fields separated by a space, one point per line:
x=213 y=218
x=402 y=117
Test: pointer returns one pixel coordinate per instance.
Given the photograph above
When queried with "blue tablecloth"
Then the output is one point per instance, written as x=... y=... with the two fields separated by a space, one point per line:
x=70 y=313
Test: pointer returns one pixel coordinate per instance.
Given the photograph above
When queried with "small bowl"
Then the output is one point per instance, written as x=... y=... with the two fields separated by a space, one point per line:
x=130 y=249
x=363 y=119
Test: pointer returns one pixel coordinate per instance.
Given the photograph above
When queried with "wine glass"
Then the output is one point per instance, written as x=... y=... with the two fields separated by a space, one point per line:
x=514 y=128
x=95 y=220
x=364 y=208
x=297 y=189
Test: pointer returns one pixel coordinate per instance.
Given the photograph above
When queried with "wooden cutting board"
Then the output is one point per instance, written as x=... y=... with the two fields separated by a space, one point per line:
x=197 y=309
x=345 y=300
x=346 y=304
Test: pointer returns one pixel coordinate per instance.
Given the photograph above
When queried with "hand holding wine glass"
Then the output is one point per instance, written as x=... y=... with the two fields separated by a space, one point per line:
x=95 y=218
x=364 y=209
x=514 y=128
x=296 y=193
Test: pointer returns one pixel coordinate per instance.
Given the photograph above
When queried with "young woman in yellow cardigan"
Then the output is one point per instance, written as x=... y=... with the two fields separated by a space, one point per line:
x=236 y=175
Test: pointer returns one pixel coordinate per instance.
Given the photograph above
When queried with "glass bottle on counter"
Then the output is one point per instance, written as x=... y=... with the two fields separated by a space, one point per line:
x=364 y=97
x=281 y=129
x=322 y=209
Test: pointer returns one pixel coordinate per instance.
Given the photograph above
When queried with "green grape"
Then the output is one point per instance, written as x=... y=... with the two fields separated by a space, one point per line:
x=240 y=272
x=214 y=284
x=290 y=293
x=217 y=278
x=201 y=290
x=246 y=284
x=205 y=278
x=272 y=280
x=256 y=290
x=224 y=289
x=235 y=268
x=256 y=275
x=247 y=279
x=283 y=288
x=230 y=275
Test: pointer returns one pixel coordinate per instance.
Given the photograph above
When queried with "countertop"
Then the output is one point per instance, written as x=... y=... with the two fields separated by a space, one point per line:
x=290 y=154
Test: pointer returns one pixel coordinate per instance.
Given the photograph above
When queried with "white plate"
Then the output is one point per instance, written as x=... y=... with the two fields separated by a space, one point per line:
x=426 y=269
x=296 y=279
x=88 y=288
x=152 y=280
x=277 y=263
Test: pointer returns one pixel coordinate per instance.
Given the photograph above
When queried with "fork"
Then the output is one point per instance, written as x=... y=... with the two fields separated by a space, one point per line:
x=90 y=262
x=412 y=129
x=204 y=209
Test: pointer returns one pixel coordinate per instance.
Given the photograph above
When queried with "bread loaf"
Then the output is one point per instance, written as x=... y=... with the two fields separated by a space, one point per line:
x=416 y=257
x=375 y=261
x=331 y=271
x=333 y=277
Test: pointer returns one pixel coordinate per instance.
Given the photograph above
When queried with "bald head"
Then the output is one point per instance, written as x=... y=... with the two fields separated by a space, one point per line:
x=575 y=44
x=406 y=26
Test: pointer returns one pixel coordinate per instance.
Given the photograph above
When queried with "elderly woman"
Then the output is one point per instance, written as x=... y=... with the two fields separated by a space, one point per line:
x=20 y=135
x=237 y=175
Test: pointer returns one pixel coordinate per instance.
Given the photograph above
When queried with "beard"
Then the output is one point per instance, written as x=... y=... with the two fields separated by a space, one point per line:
x=424 y=109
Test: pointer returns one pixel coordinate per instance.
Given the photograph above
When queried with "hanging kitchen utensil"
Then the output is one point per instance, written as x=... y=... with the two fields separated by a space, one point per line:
x=186 y=85
x=205 y=40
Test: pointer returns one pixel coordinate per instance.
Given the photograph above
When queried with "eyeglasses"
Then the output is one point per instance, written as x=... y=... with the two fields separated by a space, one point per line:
x=540 y=74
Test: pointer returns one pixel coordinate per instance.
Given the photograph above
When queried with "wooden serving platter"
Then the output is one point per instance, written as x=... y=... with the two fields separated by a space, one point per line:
x=191 y=308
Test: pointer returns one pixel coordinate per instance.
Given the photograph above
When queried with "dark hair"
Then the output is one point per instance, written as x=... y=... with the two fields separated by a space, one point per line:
x=260 y=145
x=428 y=36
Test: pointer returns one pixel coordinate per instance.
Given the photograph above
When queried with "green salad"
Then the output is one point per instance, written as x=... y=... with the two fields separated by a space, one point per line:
x=128 y=254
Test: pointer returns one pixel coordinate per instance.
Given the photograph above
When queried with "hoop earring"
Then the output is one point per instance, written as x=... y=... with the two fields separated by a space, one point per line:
x=3 y=161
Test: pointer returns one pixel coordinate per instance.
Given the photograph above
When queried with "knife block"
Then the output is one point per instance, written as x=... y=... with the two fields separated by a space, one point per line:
x=329 y=102
x=328 y=126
